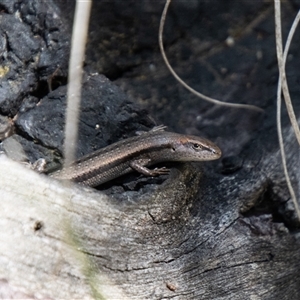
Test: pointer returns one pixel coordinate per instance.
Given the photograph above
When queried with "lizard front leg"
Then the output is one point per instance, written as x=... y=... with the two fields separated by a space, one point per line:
x=140 y=166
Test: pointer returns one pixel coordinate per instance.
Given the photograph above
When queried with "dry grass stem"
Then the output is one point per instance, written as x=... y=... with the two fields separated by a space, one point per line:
x=79 y=37
x=202 y=96
x=283 y=83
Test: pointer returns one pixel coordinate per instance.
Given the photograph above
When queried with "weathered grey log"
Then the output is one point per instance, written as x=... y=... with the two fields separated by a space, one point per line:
x=189 y=238
x=39 y=255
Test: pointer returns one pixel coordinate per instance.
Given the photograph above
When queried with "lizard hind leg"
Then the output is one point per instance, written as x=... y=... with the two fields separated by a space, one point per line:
x=154 y=129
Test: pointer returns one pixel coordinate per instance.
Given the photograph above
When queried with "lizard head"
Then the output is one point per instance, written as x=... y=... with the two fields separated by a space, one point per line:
x=193 y=148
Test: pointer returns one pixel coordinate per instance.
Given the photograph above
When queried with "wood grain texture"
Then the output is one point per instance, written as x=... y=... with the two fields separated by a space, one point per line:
x=67 y=242
x=39 y=256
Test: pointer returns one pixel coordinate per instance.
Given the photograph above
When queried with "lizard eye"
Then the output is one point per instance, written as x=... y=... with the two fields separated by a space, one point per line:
x=196 y=146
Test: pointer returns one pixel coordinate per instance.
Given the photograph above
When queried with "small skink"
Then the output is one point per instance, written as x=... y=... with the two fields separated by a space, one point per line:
x=136 y=153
